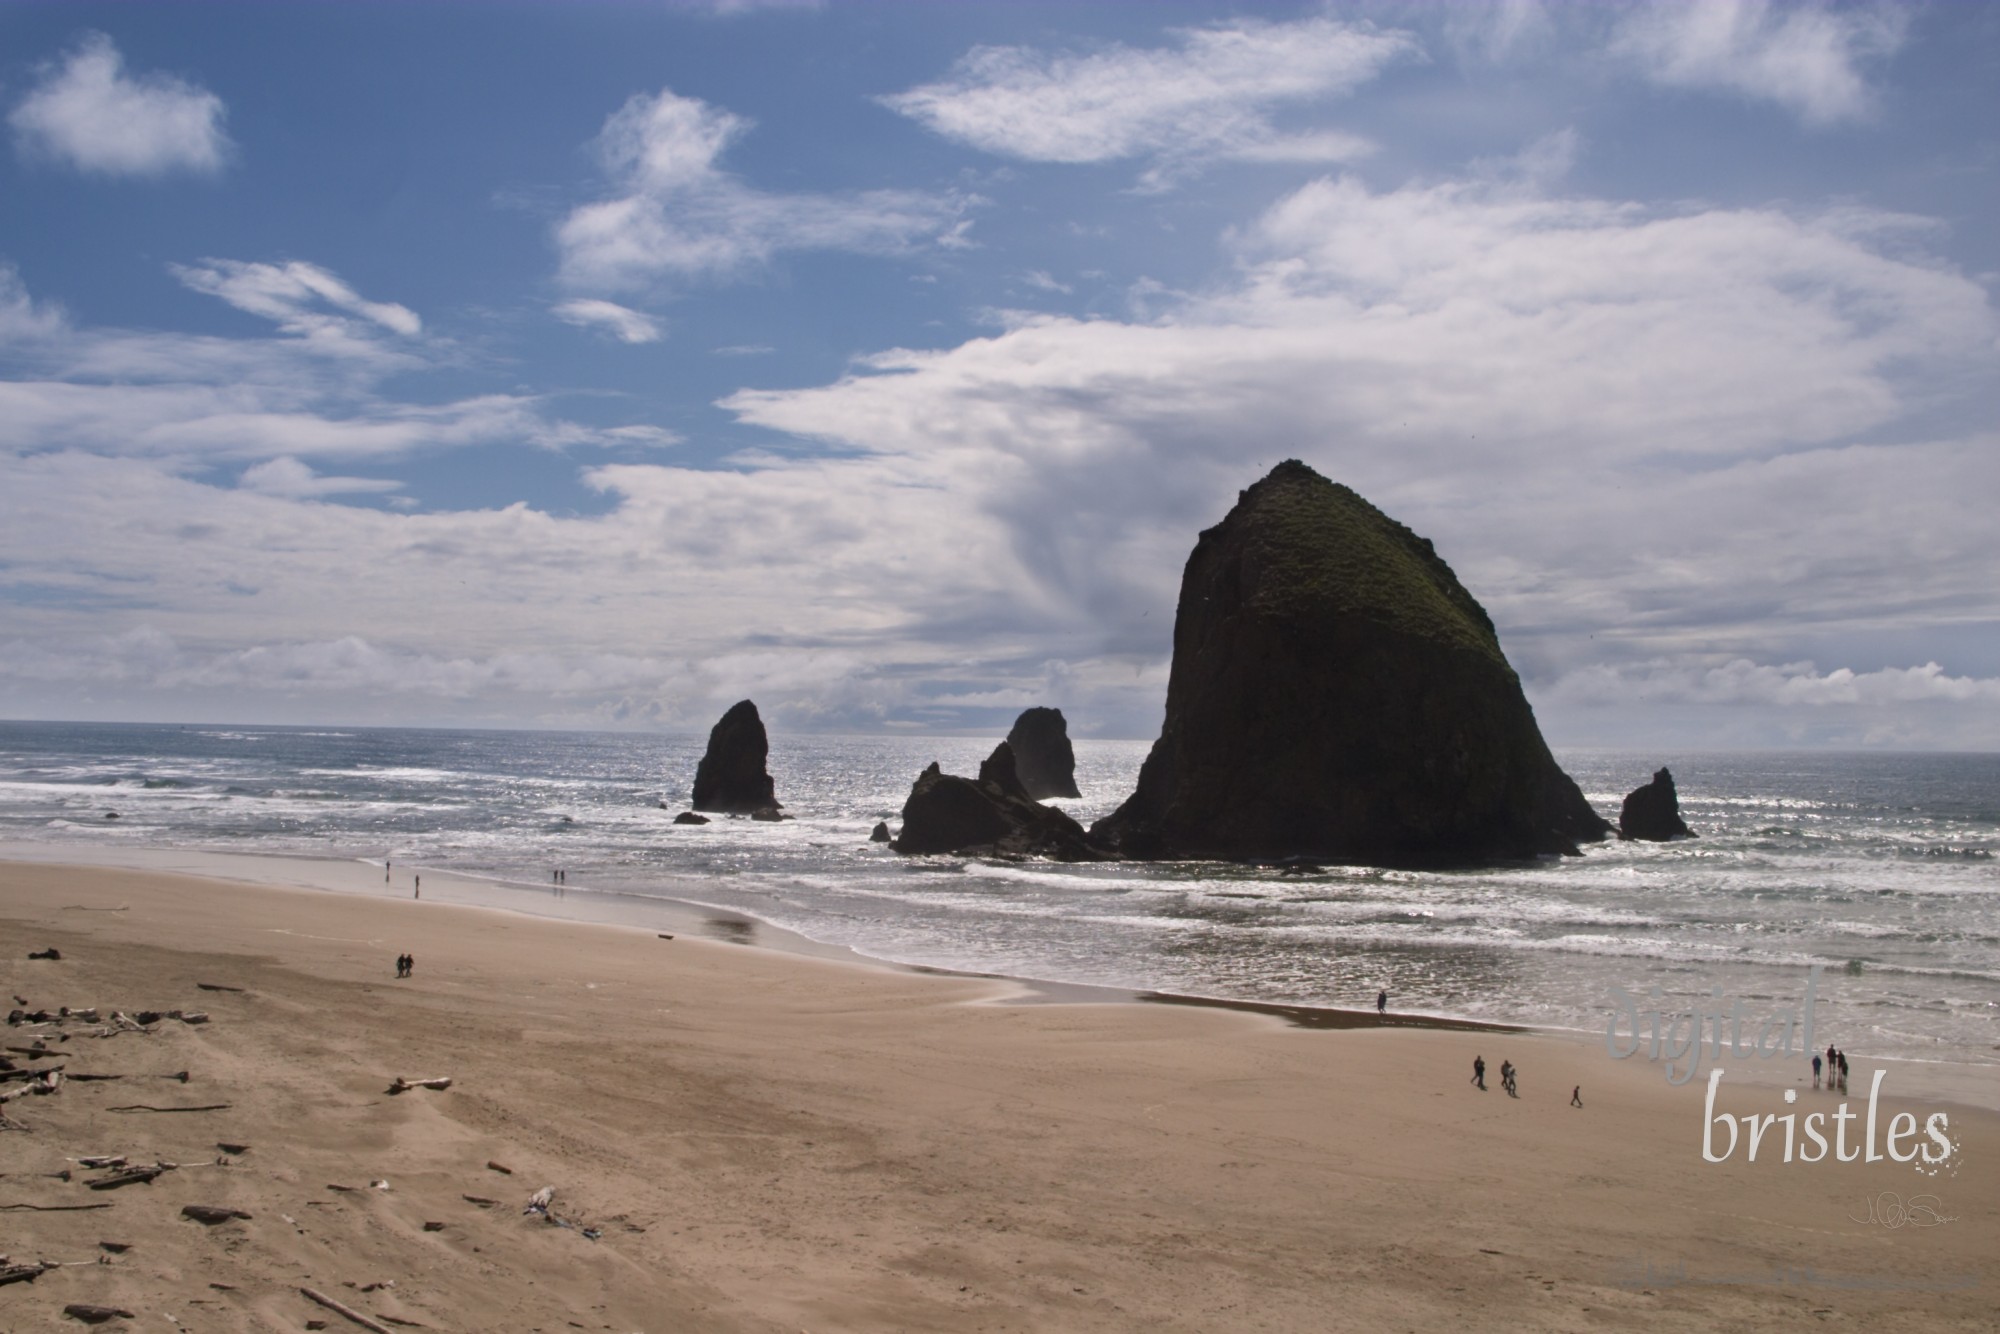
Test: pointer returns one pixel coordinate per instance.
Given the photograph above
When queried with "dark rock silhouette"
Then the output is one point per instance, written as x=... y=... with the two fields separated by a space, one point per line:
x=689 y=817
x=1042 y=753
x=1336 y=694
x=992 y=814
x=771 y=814
x=731 y=776
x=880 y=833
x=1652 y=813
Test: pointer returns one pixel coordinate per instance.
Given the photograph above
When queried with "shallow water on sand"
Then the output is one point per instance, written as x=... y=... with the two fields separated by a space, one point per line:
x=1883 y=869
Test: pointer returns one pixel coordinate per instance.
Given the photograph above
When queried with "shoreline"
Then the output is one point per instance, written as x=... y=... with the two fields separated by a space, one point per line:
x=689 y=915
x=1960 y=1082
x=766 y=1141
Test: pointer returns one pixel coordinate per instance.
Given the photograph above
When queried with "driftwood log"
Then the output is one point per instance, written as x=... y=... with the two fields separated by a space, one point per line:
x=50 y=1081
x=54 y=1209
x=147 y=1107
x=403 y=1085
x=210 y=1214
x=96 y=1315
x=341 y=1309
x=130 y=1176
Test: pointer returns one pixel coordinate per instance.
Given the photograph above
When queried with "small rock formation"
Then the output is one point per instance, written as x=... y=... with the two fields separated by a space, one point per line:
x=1652 y=813
x=731 y=776
x=880 y=833
x=770 y=814
x=1042 y=753
x=689 y=817
x=992 y=814
x=1337 y=695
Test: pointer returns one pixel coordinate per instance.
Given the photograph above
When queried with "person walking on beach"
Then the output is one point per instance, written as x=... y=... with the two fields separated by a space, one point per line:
x=417 y=890
x=409 y=965
x=1843 y=1072
x=1576 y=1096
x=1815 y=1069
x=1479 y=1072
x=1381 y=1002
x=1507 y=1073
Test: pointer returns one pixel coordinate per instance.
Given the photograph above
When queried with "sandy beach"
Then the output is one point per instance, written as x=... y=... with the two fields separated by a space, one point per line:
x=746 y=1139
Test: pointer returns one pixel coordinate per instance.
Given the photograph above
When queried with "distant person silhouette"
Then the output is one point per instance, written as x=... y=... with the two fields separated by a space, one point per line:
x=1576 y=1096
x=1479 y=1072
x=1815 y=1069
x=1381 y=1002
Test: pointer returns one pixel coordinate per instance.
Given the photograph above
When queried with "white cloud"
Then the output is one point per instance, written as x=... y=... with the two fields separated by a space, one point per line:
x=1685 y=431
x=1207 y=97
x=21 y=316
x=1784 y=685
x=622 y=322
x=1808 y=59
x=680 y=215
x=289 y=477
x=287 y=294
x=90 y=114
x=311 y=392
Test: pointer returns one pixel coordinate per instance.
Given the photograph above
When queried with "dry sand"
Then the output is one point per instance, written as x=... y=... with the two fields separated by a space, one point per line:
x=768 y=1142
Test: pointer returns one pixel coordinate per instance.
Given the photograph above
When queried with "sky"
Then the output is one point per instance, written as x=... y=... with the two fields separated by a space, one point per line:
x=597 y=365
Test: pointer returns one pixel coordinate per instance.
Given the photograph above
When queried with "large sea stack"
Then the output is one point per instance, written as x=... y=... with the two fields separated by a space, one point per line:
x=1652 y=813
x=1337 y=694
x=731 y=776
x=1042 y=753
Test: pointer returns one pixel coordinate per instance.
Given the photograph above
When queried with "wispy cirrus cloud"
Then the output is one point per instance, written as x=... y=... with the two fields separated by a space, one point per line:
x=621 y=322
x=1808 y=59
x=89 y=114
x=1207 y=97
x=311 y=391
x=287 y=293
x=678 y=214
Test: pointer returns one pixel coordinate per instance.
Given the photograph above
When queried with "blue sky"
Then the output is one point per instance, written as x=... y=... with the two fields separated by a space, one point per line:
x=600 y=364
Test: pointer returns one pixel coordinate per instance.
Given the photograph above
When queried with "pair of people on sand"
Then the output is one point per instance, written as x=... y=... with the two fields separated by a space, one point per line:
x=406 y=964
x=1836 y=1069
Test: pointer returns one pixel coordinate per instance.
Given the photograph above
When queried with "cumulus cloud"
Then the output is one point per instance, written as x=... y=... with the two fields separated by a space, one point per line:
x=89 y=114
x=1808 y=59
x=677 y=213
x=621 y=322
x=1685 y=431
x=1208 y=96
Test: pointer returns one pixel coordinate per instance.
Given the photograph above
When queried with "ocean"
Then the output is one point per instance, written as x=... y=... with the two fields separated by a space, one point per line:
x=1879 y=868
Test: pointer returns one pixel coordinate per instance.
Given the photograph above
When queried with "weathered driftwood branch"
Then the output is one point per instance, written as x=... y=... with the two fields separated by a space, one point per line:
x=403 y=1085
x=210 y=1214
x=23 y=1273
x=56 y=1208
x=339 y=1308
x=49 y=1081
x=146 y=1107
x=216 y=986
x=131 y=1176
x=103 y=1160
